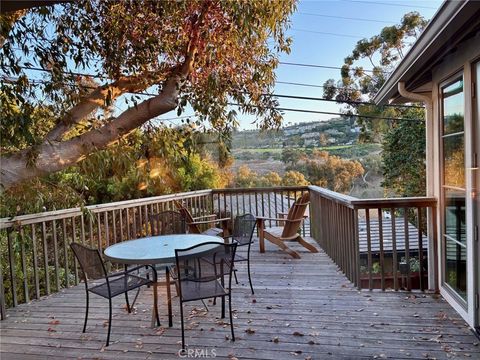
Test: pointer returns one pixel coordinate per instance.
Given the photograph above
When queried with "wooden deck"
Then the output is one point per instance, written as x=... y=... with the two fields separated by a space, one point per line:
x=302 y=309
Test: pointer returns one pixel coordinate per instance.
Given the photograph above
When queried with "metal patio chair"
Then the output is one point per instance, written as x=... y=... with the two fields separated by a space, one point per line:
x=93 y=268
x=243 y=228
x=200 y=274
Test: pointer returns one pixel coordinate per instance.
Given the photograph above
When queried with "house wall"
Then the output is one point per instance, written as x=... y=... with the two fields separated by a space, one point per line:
x=460 y=61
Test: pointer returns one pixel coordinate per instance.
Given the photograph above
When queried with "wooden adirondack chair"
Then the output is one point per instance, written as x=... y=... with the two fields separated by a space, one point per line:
x=210 y=220
x=289 y=229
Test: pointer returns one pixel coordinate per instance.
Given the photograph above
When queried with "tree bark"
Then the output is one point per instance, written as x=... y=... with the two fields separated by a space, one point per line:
x=96 y=99
x=51 y=156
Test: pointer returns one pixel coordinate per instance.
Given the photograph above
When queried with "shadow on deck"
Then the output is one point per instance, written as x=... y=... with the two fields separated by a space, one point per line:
x=302 y=309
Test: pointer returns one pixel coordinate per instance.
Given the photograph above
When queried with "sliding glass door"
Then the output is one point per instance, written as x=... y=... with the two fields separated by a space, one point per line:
x=454 y=189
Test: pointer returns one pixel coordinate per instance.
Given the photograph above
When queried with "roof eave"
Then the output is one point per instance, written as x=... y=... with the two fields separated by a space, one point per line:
x=422 y=50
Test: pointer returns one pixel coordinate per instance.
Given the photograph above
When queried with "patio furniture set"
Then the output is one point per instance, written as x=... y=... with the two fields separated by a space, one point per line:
x=200 y=264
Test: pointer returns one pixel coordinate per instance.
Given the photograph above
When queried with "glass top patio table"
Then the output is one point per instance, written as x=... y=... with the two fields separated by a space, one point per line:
x=154 y=249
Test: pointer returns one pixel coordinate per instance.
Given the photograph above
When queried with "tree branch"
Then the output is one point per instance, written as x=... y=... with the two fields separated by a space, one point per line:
x=52 y=156
x=95 y=99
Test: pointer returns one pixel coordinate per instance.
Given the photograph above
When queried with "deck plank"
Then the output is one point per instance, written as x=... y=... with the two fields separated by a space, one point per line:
x=301 y=309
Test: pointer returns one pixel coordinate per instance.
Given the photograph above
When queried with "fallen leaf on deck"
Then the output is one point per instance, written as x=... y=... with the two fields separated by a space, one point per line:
x=297 y=333
x=54 y=322
x=51 y=330
x=250 y=331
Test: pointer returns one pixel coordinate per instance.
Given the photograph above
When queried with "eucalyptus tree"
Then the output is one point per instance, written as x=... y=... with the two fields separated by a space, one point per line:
x=403 y=154
x=81 y=60
x=367 y=67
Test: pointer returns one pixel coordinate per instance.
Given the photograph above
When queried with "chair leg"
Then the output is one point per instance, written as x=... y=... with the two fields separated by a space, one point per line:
x=235 y=275
x=129 y=309
x=223 y=306
x=155 y=303
x=169 y=296
x=307 y=245
x=250 y=276
x=109 y=320
x=86 y=313
x=205 y=305
x=231 y=314
x=183 y=329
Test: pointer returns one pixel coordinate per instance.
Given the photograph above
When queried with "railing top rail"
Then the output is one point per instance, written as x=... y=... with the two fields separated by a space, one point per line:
x=65 y=213
x=394 y=202
x=345 y=200
x=356 y=203
x=259 y=189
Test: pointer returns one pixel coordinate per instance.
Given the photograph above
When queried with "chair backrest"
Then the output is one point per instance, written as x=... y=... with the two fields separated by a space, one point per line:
x=90 y=261
x=192 y=228
x=205 y=262
x=243 y=228
x=295 y=216
x=167 y=223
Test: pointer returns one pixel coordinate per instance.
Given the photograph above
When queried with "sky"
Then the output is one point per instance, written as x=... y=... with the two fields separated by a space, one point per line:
x=320 y=37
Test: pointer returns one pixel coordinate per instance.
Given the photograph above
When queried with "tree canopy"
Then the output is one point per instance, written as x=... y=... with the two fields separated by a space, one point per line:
x=381 y=52
x=79 y=60
x=403 y=154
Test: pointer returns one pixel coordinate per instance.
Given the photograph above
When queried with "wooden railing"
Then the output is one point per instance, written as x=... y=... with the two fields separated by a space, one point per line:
x=377 y=243
x=35 y=259
x=334 y=224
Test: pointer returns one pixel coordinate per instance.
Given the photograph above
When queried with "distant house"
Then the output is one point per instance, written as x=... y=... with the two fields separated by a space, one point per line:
x=442 y=70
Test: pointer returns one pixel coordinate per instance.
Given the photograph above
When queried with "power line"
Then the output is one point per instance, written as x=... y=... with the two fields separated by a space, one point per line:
x=345 y=18
x=310 y=98
x=302 y=84
x=324 y=66
x=343 y=101
x=328 y=33
x=336 y=113
x=281 y=63
x=391 y=4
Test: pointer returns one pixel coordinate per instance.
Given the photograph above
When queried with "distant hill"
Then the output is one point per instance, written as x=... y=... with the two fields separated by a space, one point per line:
x=336 y=131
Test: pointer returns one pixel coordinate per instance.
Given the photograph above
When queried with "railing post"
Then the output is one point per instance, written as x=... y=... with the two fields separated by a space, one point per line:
x=357 y=250
x=3 y=314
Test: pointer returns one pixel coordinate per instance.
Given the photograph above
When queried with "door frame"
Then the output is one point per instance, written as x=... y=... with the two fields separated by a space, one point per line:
x=468 y=311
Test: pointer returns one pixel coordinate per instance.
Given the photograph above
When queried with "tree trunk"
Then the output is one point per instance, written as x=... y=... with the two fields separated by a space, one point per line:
x=52 y=156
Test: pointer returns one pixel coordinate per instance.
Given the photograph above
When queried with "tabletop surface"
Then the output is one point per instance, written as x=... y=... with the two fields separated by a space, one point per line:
x=154 y=249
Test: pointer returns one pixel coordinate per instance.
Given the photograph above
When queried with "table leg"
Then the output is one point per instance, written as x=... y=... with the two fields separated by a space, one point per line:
x=169 y=297
x=155 y=317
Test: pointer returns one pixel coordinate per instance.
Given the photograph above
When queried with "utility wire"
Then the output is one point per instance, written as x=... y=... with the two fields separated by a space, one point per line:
x=310 y=98
x=350 y=102
x=297 y=110
x=345 y=18
x=390 y=4
x=33 y=68
x=328 y=33
x=336 y=113
x=325 y=66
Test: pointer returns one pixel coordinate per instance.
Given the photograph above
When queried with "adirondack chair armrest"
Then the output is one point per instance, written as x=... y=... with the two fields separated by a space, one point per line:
x=205 y=217
x=280 y=214
x=263 y=218
x=203 y=222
